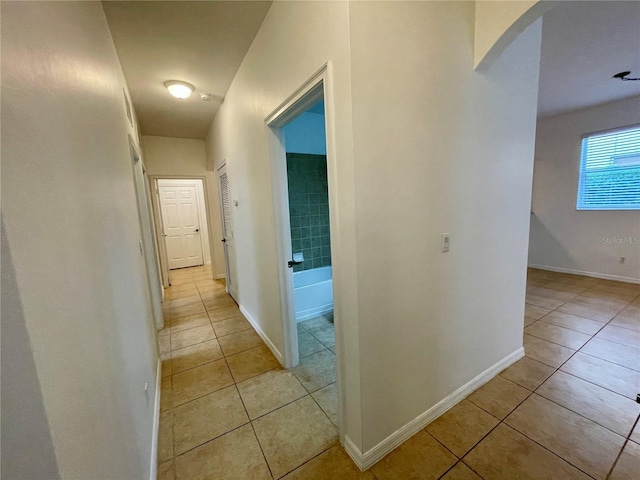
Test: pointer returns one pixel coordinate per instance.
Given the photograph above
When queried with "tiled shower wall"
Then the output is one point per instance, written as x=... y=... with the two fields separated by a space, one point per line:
x=309 y=209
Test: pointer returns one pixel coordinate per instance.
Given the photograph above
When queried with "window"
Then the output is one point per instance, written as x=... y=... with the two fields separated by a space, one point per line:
x=610 y=170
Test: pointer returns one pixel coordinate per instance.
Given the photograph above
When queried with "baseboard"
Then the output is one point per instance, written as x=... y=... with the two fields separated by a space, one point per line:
x=256 y=327
x=220 y=276
x=313 y=313
x=153 y=468
x=603 y=276
x=367 y=459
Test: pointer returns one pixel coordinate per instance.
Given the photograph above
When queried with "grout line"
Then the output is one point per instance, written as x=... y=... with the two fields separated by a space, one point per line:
x=627 y=440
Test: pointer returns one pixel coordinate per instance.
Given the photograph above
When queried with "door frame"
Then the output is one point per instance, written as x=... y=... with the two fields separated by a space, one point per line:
x=147 y=234
x=318 y=86
x=155 y=203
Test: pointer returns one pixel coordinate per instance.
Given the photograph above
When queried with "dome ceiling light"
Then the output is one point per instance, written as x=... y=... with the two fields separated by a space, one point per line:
x=179 y=89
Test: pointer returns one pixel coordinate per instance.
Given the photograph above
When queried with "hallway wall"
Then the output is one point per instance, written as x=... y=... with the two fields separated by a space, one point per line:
x=80 y=306
x=562 y=237
x=183 y=157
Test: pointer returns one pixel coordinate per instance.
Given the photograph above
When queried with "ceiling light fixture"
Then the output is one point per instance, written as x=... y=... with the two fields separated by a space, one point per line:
x=179 y=89
x=623 y=76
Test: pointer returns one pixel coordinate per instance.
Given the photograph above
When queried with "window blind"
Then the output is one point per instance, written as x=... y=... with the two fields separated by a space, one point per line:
x=610 y=170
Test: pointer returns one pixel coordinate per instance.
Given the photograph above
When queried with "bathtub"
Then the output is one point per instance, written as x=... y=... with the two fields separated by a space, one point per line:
x=313 y=293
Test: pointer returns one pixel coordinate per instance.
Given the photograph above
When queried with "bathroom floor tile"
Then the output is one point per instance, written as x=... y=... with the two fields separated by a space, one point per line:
x=233 y=456
x=324 y=334
x=528 y=373
x=195 y=355
x=327 y=398
x=294 y=434
x=271 y=390
x=205 y=418
x=308 y=344
x=499 y=396
x=462 y=427
x=317 y=370
x=506 y=454
x=583 y=443
x=420 y=458
x=199 y=381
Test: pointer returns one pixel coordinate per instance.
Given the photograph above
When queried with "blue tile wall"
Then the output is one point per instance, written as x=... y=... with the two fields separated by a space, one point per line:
x=309 y=209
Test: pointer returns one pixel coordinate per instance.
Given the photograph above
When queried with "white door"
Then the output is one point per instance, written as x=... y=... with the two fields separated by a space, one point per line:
x=181 y=226
x=227 y=232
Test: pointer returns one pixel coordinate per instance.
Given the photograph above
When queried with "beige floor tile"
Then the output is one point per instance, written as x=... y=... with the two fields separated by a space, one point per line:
x=545 y=352
x=182 y=291
x=165 y=436
x=556 y=294
x=166 y=400
x=560 y=335
x=166 y=471
x=186 y=338
x=205 y=418
x=534 y=311
x=566 y=287
x=529 y=321
x=181 y=302
x=308 y=344
x=251 y=363
x=199 y=381
x=606 y=374
x=462 y=427
x=419 y=458
x=271 y=390
x=593 y=308
x=190 y=321
x=573 y=322
x=506 y=454
x=613 y=411
x=187 y=310
x=528 y=373
x=317 y=370
x=628 y=318
x=461 y=472
x=327 y=398
x=195 y=355
x=499 y=396
x=583 y=443
x=233 y=456
x=219 y=314
x=231 y=325
x=324 y=334
x=613 y=352
x=239 y=342
x=212 y=294
x=628 y=465
x=164 y=343
x=294 y=434
x=220 y=303
x=166 y=365
x=609 y=293
x=334 y=464
x=630 y=338
x=544 y=302
x=635 y=435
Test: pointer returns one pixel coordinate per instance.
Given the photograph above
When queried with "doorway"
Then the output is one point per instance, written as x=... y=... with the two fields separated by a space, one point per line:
x=303 y=178
x=181 y=216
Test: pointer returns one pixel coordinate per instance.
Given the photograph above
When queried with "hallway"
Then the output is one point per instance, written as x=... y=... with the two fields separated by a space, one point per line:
x=566 y=410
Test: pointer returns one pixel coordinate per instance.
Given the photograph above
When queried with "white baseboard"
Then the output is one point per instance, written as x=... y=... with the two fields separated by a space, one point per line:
x=313 y=312
x=220 y=276
x=153 y=468
x=604 y=276
x=366 y=460
x=256 y=327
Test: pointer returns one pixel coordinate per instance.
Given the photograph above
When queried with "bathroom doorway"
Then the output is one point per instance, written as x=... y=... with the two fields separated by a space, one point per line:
x=303 y=170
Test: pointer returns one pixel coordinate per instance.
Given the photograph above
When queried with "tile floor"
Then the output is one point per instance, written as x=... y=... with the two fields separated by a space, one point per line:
x=564 y=411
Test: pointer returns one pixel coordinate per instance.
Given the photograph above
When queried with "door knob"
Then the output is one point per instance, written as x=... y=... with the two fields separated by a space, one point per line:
x=224 y=240
x=197 y=230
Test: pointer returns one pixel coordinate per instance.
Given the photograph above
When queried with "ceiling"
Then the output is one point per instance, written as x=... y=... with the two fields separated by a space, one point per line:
x=583 y=45
x=202 y=43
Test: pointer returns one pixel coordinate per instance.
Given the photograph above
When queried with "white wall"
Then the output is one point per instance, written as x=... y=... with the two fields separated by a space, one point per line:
x=445 y=150
x=295 y=40
x=80 y=303
x=176 y=157
x=306 y=134
x=414 y=325
x=561 y=236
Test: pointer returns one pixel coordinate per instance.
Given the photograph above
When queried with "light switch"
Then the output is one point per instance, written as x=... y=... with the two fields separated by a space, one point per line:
x=445 y=242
